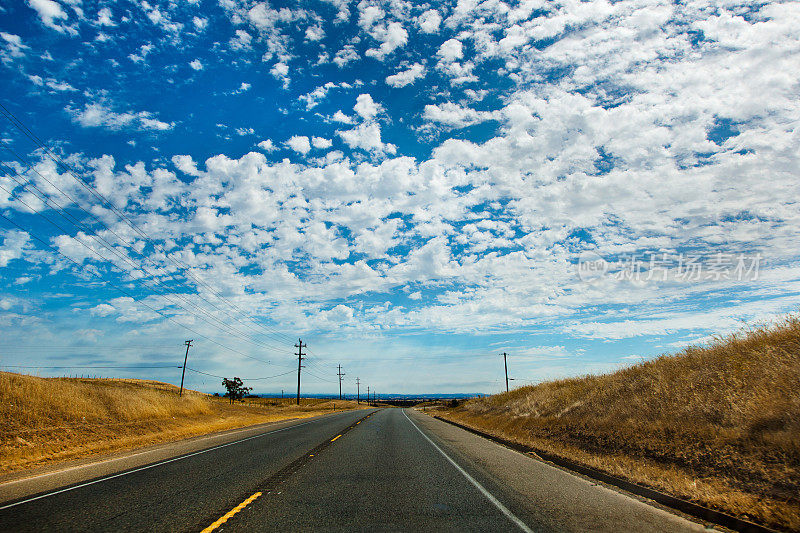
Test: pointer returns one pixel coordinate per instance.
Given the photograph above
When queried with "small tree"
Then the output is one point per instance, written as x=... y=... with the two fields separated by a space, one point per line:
x=236 y=389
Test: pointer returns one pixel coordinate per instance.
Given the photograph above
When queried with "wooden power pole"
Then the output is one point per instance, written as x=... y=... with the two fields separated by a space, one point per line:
x=505 y=364
x=340 y=380
x=358 y=390
x=299 y=355
x=185 y=357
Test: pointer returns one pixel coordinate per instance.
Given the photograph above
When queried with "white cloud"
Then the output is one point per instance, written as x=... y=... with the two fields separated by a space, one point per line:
x=267 y=145
x=49 y=11
x=200 y=23
x=242 y=41
x=321 y=143
x=341 y=117
x=314 y=33
x=406 y=77
x=450 y=50
x=391 y=37
x=456 y=116
x=13 y=46
x=345 y=55
x=369 y=15
x=13 y=246
x=280 y=71
x=196 y=64
x=300 y=144
x=366 y=107
x=99 y=115
x=367 y=137
x=105 y=18
x=313 y=98
x=429 y=21
x=186 y=164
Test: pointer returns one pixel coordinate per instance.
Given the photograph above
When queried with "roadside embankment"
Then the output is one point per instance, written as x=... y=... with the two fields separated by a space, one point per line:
x=717 y=424
x=45 y=420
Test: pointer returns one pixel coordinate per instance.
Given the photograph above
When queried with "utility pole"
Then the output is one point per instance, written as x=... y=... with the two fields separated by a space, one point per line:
x=299 y=355
x=505 y=364
x=358 y=390
x=183 y=374
x=368 y=403
x=340 y=380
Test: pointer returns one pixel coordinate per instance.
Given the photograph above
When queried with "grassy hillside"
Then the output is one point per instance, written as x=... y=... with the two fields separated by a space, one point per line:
x=49 y=419
x=718 y=424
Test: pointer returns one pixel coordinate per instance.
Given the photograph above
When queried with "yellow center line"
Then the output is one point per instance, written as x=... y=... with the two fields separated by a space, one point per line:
x=336 y=437
x=224 y=518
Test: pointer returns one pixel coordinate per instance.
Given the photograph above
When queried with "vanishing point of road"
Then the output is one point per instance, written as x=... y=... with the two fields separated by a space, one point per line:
x=367 y=470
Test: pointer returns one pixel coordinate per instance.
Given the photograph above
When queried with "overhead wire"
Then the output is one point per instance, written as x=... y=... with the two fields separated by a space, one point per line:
x=57 y=159
x=126 y=293
x=224 y=328
x=124 y=242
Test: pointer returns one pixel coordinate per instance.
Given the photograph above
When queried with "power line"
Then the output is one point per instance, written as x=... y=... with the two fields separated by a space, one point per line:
x=227 y=328
x=92 y=367
x=126 y=293
x=57 y=159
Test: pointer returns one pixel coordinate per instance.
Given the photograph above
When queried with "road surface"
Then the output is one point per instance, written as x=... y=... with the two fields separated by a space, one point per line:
x=376 y=470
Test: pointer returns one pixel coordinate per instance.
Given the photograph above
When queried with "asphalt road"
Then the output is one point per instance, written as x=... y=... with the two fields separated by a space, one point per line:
x=395 y=470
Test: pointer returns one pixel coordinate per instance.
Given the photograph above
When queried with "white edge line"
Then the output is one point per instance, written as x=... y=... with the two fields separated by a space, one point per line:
x=227 y=433
x=47 y=495
x=503 y=509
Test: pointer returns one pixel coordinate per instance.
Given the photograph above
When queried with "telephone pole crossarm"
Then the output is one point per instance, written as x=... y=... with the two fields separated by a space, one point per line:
x=299 y=355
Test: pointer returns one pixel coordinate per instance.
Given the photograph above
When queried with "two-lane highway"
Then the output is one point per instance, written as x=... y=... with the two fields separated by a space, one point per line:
x=395 y=470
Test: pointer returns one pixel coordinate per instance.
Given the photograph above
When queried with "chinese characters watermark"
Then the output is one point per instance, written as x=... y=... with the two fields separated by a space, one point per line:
x=682 y=267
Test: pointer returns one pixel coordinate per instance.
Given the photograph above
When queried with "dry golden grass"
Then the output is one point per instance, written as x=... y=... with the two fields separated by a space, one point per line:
x=717 y=424
x=43 y=420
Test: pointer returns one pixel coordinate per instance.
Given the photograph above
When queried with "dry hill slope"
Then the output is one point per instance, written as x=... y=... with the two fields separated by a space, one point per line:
x=50 y=419
x=717 y=424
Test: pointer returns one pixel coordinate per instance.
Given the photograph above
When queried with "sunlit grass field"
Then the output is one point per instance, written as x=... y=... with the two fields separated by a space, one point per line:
x=50 y=419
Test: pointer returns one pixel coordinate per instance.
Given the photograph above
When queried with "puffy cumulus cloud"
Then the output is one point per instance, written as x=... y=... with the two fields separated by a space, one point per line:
x=96 y=115
x=300 y=144
x=346 y=55
x=280 y=71
x=453 y=115
x=366 y=107
x=612 y=139
x=450 y=50
x=314 y=33
x=313 y=98
x=199 y=23
x=338 y=315
x=13 y=246
x=126 y=309
x=392 y=37
x=321 y=143
x=406 y=77
x=105 y=17
x=49 y=13
x=342 y=118
x=429 y=21
x=267 y=145
x=366 y=137
x=185 y=164
x=13 y=47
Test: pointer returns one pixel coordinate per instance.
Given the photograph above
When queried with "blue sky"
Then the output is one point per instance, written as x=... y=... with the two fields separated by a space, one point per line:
x=411 y=188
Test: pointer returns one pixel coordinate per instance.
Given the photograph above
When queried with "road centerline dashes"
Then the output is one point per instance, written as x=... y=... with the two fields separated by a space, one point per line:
x=269 y=485
x=224 y=518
